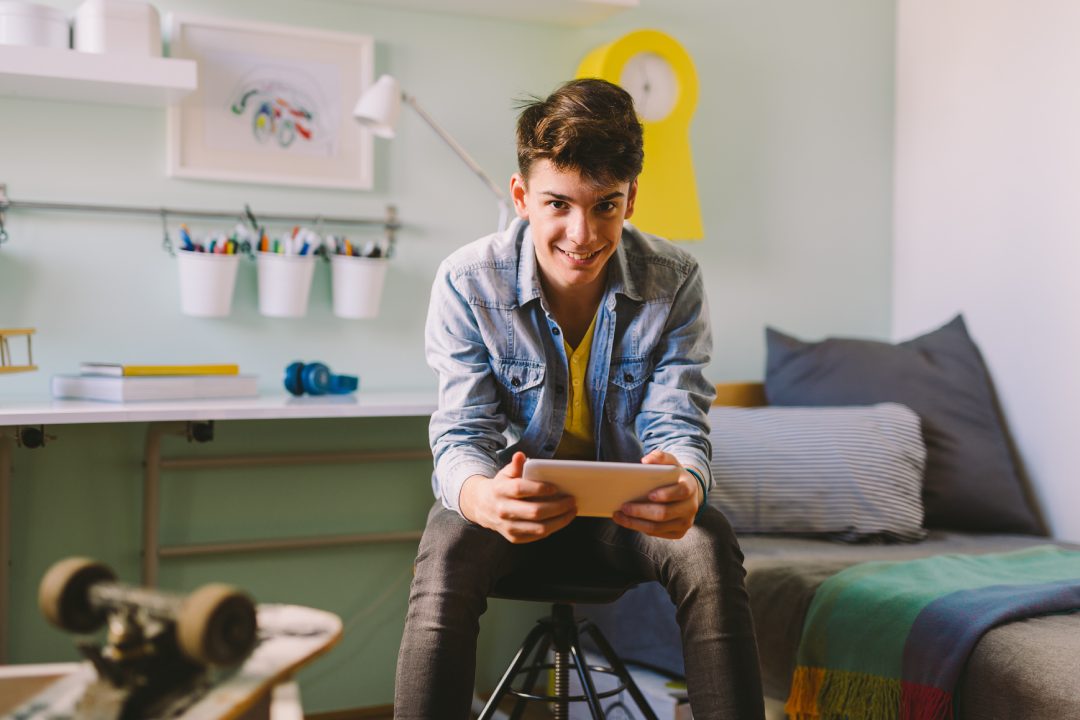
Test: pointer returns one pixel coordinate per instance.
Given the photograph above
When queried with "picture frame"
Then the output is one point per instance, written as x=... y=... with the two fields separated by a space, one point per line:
x=273 y=104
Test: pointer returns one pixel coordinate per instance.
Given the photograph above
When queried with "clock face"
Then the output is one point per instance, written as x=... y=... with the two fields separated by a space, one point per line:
x=651 y=81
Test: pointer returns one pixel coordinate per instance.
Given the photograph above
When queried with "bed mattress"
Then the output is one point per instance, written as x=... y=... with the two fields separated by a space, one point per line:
x=1024 y=670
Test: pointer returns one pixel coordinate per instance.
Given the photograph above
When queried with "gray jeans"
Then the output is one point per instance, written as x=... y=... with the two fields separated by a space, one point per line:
x=459 y=563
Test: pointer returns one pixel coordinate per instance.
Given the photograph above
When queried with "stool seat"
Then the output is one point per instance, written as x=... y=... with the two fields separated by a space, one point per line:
x=541 y=587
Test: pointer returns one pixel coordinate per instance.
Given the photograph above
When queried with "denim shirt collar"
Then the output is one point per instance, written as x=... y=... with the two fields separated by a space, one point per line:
x=620 y=279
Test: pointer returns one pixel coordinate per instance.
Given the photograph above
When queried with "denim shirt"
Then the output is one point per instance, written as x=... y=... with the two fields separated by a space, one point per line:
x=503 y=370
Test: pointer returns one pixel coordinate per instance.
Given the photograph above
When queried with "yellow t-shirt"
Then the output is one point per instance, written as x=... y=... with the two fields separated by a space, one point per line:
x=578 y=441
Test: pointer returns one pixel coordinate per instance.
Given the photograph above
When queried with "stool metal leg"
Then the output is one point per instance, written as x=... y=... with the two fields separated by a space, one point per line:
x=511 y=672
x=565 y=618
x=620 y=669
x=530 y=680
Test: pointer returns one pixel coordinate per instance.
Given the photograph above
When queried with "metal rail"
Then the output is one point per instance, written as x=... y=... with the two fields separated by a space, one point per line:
x=389 y=223
x=297 y=543
x=154 y=463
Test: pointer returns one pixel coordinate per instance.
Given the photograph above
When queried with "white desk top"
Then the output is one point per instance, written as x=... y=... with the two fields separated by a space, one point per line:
x=31 y=411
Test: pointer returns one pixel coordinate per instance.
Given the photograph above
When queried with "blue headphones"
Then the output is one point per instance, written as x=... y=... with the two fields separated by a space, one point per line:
x=316 y=379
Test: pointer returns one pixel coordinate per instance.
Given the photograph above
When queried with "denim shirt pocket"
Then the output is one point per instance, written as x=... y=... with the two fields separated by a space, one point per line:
x=626 y=388
x=521 y=383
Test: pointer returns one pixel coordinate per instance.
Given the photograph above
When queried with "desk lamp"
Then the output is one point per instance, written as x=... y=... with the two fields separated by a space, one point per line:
x=379 y=107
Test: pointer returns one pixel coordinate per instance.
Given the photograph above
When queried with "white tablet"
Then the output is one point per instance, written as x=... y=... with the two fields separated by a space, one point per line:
x=601 y=488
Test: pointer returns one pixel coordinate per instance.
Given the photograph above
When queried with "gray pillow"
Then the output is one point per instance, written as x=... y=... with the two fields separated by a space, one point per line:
x=971 y=481
x=853 y=473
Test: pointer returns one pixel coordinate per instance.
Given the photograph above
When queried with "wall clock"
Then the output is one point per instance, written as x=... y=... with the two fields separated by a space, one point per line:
x=659 y=74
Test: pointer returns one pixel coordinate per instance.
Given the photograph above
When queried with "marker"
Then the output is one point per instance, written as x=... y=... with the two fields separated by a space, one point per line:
x=186 y=238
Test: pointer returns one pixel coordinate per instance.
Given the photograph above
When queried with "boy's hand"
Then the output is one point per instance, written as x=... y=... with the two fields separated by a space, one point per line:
x=520 y=510
x=668 y=512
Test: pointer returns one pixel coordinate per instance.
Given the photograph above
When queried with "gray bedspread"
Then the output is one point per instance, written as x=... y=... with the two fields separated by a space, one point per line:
x=1027 y=670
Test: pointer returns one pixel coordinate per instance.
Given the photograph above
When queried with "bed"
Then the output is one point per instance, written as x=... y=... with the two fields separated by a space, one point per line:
x=1022 y=670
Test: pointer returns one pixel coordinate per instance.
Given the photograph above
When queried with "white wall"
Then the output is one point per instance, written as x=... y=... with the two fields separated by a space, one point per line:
x=987 y=210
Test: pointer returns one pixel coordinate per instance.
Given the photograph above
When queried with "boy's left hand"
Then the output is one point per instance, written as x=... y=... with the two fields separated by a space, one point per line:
x=668 y=512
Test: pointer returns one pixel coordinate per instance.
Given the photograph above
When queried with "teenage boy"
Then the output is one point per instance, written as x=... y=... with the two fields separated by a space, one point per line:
x=572 y=335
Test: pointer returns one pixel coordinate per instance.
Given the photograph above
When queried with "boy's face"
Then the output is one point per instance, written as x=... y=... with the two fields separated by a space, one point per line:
x=576 y=225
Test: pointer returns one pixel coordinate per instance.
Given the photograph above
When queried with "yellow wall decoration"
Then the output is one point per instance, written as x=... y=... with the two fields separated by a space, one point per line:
x=658 y=72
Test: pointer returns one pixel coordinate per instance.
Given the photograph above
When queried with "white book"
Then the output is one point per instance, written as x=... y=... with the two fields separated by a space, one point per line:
x=133 y=389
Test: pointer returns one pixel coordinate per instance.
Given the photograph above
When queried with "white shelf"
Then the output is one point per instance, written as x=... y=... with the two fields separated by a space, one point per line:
x=58 y=74
x=557 y=12
x=268 y=407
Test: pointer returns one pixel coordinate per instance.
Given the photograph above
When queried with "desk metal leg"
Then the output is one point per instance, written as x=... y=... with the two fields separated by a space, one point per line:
x=151 y=496
x=5 y=541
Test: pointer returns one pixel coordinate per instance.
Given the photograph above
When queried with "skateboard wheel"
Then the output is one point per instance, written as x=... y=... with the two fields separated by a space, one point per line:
x=216 y=625
x=64 y=594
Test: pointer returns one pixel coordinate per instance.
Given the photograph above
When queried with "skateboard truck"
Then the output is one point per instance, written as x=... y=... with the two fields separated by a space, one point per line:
x=160 y=647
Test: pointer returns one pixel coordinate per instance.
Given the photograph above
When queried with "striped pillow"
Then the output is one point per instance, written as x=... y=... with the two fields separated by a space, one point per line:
x=854 y=473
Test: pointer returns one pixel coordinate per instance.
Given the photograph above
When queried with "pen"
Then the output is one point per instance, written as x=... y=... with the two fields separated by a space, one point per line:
x=251 y=219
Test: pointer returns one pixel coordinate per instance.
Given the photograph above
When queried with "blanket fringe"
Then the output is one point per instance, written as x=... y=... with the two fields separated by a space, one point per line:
x=802 y=702
x=819 y=694
x=923 y=702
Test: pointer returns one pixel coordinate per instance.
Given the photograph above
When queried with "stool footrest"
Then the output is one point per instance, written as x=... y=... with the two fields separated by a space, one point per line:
x=568 y=698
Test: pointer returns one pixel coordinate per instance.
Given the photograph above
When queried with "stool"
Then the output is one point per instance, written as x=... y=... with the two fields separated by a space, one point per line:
x=562 y=633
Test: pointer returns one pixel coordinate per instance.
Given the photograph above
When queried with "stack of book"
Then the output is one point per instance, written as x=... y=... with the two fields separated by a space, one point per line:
x=116 y=382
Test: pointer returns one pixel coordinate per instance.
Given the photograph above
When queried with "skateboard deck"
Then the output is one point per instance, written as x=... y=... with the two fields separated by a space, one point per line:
x=289 y=637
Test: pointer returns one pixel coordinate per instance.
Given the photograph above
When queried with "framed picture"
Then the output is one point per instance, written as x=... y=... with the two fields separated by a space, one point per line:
x=273 y=105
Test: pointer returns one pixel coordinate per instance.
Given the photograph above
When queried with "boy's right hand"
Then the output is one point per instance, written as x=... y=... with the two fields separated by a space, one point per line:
x=520 y=510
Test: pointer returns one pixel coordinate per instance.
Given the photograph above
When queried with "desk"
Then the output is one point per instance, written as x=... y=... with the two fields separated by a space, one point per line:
x=175 y=418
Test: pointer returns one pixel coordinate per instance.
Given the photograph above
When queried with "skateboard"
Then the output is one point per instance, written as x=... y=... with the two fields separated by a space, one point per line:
x=210 y=655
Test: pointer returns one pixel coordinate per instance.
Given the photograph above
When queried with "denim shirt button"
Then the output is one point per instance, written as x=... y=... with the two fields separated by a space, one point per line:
x=554 y=331
x=516 y=382
x=628 y=377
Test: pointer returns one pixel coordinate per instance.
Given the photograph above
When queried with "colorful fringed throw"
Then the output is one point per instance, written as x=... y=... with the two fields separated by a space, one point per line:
x=886 y=640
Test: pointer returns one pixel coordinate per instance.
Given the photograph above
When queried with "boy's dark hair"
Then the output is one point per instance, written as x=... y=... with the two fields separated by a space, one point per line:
x=585 y=125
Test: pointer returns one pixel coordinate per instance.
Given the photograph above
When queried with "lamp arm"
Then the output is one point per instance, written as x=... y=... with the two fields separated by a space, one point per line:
x=499 y=193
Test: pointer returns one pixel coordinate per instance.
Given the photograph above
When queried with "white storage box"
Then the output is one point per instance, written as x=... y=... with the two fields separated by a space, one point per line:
x=666 y=698
x=127 y=27
x=24 y=23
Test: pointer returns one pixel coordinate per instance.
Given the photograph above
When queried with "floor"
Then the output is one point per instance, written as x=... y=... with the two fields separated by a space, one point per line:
x=534 y=711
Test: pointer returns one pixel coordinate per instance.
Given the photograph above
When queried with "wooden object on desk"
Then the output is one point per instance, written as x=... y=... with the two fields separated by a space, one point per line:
x=123 y=370
x=7 y=365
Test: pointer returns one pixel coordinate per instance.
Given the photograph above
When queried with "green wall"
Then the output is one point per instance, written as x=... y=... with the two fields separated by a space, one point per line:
x=792 y=144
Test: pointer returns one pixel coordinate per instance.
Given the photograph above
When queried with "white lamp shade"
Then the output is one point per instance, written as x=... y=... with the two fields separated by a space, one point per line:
x=378 y=108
